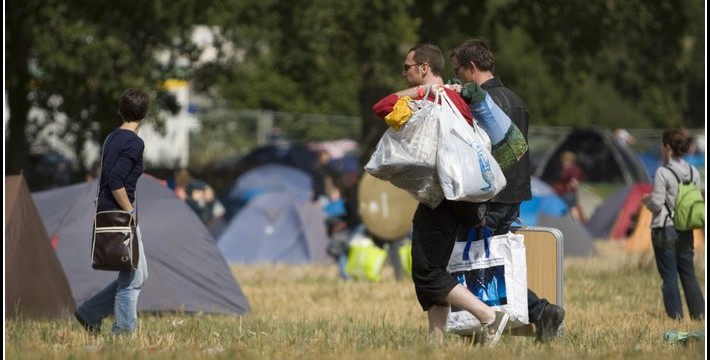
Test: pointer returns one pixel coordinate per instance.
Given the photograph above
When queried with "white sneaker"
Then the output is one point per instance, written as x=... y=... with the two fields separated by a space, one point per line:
x=490 y=333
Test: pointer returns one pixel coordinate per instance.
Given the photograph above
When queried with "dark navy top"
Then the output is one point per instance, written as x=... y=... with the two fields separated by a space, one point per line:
x=122 y=165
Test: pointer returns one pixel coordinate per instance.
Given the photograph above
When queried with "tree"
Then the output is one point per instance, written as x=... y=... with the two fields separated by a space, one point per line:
x=74 y=59
x=317 y=56
x=637 y=49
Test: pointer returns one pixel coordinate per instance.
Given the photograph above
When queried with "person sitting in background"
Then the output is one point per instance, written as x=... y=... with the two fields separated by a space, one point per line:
x=570 y=176
x=199 y=196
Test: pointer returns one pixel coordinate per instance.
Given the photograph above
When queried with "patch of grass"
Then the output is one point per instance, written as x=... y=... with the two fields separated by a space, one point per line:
x=613 y=303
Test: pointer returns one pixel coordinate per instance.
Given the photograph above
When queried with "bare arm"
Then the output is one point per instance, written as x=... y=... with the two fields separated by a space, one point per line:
x=411 y=92
x=386 y=104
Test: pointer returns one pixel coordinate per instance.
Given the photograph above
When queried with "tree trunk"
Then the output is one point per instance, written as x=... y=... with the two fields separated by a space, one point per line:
x=18 y=82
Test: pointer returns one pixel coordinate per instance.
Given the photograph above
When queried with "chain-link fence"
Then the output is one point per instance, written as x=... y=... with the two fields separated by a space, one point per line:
x=229 y=133
x=225 y=133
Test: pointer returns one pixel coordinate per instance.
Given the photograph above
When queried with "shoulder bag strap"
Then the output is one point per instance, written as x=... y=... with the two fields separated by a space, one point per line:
x=101 y=170
x=668 y=208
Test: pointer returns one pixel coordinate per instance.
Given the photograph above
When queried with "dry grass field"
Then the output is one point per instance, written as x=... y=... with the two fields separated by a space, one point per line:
x=613 y=303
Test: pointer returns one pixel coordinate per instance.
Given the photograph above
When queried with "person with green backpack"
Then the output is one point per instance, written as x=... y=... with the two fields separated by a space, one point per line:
x=673 y=203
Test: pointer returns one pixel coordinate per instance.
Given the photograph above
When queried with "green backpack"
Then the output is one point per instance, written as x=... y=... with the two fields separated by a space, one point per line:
x=689 y=212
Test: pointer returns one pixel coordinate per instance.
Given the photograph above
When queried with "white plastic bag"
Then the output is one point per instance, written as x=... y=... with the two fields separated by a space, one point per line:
x=496 y=274
x=467 y=170
x=407 y=158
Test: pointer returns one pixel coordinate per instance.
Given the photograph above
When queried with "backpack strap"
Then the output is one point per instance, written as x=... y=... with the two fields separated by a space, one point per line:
x=691 y=173
x=668 y=208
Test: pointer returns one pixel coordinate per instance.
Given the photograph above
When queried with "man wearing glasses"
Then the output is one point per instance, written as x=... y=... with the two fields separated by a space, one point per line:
x=434 y=230
x=473 y=63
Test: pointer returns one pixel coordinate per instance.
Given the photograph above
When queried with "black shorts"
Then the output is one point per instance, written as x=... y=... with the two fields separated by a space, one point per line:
x=433 y=237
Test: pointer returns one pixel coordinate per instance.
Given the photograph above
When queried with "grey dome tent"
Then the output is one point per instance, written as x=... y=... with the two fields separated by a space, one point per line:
x=35 y=284
x=277 y=222
x=577 y=241
x=186 y=271
x=546 y=209
x=276 y=227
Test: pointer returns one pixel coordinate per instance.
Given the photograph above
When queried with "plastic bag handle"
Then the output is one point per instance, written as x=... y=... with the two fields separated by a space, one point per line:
x=472 y=236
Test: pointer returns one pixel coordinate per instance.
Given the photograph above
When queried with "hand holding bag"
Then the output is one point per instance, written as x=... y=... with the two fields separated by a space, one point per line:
x=495 y=270
x=114 y=244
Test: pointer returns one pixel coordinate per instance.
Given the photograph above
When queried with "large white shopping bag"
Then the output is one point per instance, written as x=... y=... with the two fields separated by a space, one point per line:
x=494 y=269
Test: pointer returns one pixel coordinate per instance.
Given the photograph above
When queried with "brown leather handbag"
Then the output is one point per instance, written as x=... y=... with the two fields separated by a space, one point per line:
x=114 y=245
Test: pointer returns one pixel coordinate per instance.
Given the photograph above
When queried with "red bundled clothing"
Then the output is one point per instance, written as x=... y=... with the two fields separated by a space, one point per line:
x=384 y=106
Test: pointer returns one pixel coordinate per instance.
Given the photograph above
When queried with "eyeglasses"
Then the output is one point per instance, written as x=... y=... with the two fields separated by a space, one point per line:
x=406 y=67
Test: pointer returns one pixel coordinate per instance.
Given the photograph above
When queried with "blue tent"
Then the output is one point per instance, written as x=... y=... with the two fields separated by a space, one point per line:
x=651 y=160
x=544 y=200
x=276 y=227
x=267 y=178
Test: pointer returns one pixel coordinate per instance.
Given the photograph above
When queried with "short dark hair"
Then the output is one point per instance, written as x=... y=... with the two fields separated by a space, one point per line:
x=475 y=51
x=677 y=140
x=430 y=54
x=133 y=105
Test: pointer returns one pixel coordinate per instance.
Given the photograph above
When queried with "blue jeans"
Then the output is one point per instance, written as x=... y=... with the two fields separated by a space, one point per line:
x=674 y=257
x=119 y=298
x=342 y=264
x=500 y=218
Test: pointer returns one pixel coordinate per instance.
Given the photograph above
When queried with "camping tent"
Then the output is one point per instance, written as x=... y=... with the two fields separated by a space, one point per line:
x=276 y=226
x=615 y=217
x=640 y=239
x=223 y=172
x=577 y=241
x=546 y=209
x=186 y=270
x=264 y=178
x=602 y=159
x=35 y=286
x=544 y=200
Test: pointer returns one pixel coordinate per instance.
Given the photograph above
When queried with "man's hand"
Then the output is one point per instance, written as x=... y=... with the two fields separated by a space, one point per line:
x=455 y=87
x=472 y=93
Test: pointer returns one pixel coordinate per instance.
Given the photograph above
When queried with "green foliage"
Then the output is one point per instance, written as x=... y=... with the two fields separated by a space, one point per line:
x=521 y=66
x=597 y=103
x=635 y=63
x=448 y=23
x=315 y=55
x=78 y=57
x=637 y=49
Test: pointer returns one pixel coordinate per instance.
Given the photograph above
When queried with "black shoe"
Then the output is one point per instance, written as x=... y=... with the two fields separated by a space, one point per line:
x=550 y=321
x=87 y=327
